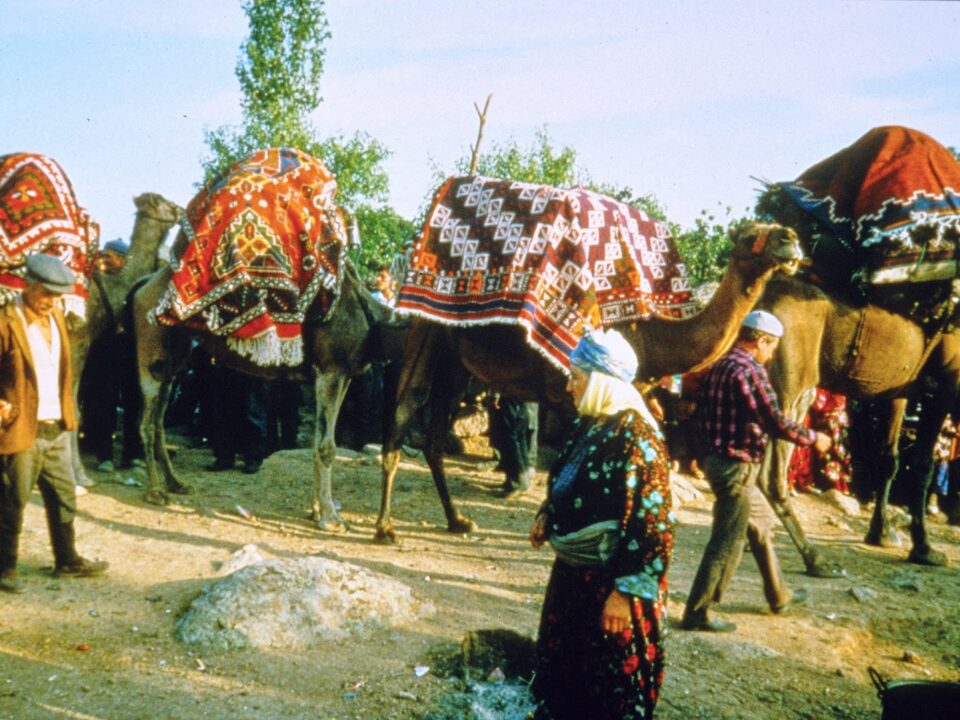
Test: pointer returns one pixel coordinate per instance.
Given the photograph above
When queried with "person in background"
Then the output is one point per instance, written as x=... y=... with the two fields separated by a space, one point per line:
x=383 y=286
x=36 y=386
x=736 y=412
x=109 y=381
x=607 y=517
x=510 y=435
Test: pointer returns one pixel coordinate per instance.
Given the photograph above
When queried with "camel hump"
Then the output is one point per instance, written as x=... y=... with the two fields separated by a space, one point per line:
x=884 y=211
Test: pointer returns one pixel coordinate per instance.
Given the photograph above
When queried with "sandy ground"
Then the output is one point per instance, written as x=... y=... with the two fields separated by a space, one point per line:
x=104 y=647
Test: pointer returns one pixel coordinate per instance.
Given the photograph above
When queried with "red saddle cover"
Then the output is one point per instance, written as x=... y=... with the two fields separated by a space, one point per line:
x=264 y=244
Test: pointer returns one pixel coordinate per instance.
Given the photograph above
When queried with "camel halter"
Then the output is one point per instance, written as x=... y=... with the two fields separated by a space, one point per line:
x=761 y=241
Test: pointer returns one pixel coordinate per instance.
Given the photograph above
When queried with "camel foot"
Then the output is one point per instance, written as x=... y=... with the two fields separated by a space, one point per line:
x=461 y=524
x=334 y=524
x=820 y=568
x=178 y=488
x=386 y=535
x=926 y=555
x=885 y=538
x=156 y=497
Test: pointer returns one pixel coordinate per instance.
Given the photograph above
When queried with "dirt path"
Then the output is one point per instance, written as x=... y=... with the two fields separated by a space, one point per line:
x=104 y=647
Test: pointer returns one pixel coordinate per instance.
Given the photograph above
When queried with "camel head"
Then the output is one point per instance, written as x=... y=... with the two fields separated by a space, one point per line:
x=156 y=207
x=767 y=247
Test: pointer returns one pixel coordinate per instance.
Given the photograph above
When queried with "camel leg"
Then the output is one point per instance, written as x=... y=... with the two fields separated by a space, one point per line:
x=329 y=389
x=444 y=398
x=426 y=366
x=931 y=420
x=151 y=388
x=776 y=462
x=884 y=461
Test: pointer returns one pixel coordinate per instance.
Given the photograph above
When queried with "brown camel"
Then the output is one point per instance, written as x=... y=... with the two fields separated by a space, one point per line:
x=358 y=330
x=863 y=352
x=154 y=218
x=438 y=359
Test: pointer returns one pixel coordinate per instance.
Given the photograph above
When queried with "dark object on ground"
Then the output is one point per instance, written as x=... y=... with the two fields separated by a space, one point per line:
x=917 y=699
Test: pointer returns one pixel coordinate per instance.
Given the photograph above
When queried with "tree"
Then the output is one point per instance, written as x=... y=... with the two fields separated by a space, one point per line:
x=279 y=70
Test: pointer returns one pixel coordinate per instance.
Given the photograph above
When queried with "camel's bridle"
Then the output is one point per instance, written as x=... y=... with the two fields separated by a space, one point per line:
x=760 y=242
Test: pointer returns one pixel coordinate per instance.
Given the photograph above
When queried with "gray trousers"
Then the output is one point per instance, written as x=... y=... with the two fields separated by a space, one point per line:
x=46 y=464
x=740 y=514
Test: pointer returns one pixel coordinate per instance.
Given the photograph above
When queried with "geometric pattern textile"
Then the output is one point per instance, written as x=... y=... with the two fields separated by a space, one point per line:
x=547 y=259
x=39 y=214
x=892 y=202
x=264 y=243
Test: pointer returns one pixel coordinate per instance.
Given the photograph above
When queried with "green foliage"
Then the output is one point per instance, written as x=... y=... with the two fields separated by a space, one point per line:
x=540 y=163
x=384 y=235
x=279 y=70
x=955 y=151
x=706 y=247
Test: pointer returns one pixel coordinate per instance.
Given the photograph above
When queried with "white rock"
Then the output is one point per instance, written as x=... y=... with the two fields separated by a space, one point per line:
x=844 y=503
x=297 y=604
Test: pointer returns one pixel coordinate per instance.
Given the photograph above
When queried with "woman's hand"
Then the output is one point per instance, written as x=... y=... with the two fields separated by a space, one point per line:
x=616 y=614
x=538 y=531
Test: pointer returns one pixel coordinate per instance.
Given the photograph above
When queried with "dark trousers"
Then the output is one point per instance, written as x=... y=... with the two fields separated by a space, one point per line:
x=510 y=436
x=741 y=514
x=110 y=381
x=283 y=414
x=46 y=464
x=238 y=415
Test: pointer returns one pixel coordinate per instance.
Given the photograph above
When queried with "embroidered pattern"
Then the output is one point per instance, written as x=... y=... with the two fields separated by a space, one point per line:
x=265 y=243
x=493 y=251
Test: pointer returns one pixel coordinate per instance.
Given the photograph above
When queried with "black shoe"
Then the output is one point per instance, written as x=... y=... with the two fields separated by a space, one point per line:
x=705 y=624
x=799 y=597
x=82 y=567
x=10 y=582
x=219 y=465
x=252 y=467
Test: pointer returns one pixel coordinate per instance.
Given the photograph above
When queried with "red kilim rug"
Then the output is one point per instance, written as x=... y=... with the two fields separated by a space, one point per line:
x=39 y=214
x=265 y=243
x=550 y=260
x=892 y=201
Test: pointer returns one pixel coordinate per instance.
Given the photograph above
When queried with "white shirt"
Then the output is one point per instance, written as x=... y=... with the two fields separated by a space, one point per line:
x=46 y=363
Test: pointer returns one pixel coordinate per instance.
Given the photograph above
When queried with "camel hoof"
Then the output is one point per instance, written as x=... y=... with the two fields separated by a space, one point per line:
x=462 y=524
x=825 y=569
x=927 y=556
x=156 y=497
x=386 y=536
x=179 y=488
x=332 y=525
x=883 y=538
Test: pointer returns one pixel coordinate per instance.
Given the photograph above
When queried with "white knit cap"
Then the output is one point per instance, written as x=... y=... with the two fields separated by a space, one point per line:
x=764 y=322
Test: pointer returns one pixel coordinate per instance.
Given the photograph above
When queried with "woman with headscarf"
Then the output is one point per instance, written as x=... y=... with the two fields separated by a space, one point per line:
x=607 y=516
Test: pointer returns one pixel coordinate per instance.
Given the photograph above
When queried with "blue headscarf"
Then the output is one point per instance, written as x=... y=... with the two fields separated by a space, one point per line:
x=605 y=351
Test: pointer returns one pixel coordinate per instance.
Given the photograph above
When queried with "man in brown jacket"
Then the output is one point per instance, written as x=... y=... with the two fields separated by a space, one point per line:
x=37 y=410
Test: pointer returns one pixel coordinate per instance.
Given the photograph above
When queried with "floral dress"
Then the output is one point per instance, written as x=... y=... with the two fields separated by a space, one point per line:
x=613 y=468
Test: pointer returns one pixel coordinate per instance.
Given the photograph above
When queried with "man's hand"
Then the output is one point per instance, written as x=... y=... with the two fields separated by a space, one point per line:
x=538 y=531
x=823 y=442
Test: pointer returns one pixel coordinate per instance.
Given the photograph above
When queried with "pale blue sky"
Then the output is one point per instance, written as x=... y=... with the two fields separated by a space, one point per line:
x=686 y=100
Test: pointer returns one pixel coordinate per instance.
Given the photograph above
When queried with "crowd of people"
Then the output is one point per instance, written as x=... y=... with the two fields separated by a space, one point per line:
x=607 y=513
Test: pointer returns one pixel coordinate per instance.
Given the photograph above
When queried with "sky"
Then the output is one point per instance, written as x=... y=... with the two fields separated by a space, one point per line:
x=690 y=101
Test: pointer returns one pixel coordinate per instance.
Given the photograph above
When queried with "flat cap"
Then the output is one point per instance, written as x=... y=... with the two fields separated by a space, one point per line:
x=764 y=322
x=51 y=272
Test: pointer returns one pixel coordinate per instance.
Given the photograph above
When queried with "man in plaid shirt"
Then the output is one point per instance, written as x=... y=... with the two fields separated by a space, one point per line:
x=737 y=412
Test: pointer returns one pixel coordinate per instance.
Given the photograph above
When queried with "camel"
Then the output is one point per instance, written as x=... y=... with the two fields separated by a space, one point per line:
x=154 y=218
x=356 y=331
x=862 y=351
x=438 y=359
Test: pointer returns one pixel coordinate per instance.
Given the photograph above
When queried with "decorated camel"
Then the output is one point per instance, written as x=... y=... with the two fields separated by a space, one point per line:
x=262 y=281
x=878 y=308
x=505 y=275
x=39 y=213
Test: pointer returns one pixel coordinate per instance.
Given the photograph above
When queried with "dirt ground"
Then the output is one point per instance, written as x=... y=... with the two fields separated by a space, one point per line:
x=104 y=647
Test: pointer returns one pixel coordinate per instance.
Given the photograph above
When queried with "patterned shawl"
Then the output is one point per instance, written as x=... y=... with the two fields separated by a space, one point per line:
x=39 y=214
x=264 y=243
x=549 y=260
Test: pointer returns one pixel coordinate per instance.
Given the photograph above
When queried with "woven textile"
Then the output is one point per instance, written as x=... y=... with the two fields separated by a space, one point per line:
x=892 y=202
x=39 y=214
x=265 y=243
x=550 y=260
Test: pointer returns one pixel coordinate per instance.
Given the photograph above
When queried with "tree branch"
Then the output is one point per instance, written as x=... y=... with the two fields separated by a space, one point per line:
x=475 y=157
